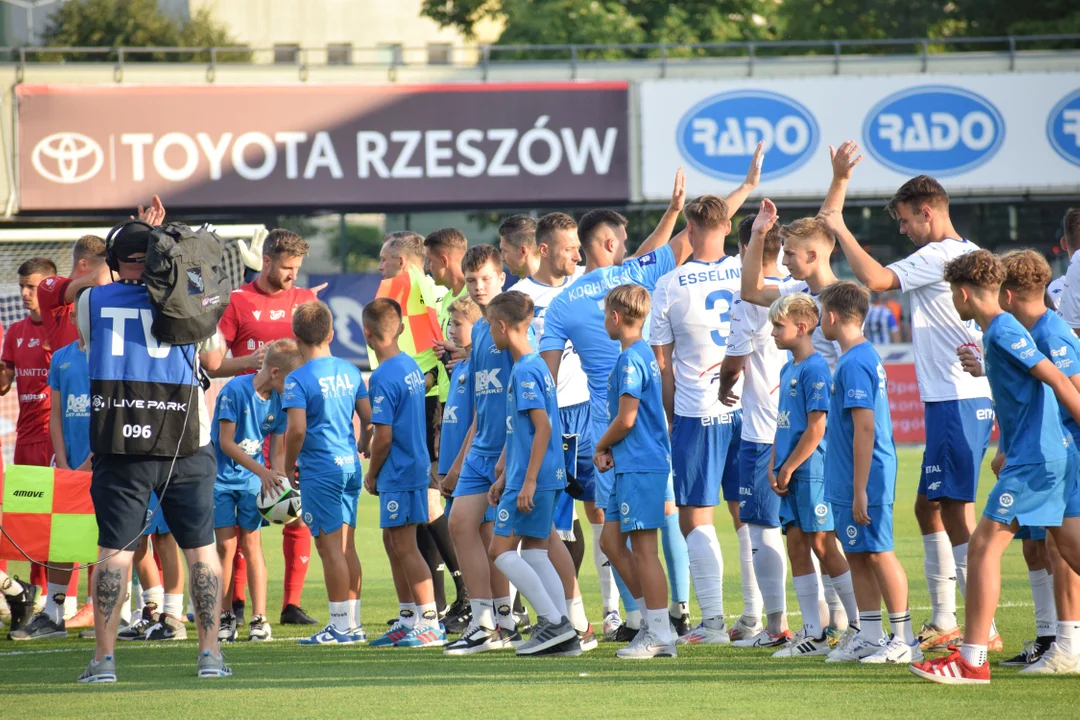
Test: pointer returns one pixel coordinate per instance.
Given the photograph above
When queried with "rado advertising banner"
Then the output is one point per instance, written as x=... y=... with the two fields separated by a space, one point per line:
x=105 y=148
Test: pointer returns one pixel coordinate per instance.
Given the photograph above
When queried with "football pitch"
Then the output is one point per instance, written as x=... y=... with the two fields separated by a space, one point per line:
x=281 y=678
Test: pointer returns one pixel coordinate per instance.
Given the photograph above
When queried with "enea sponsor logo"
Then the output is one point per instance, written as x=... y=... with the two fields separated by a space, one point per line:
x=1063 y=127
x=934 y=129
x=718 y=135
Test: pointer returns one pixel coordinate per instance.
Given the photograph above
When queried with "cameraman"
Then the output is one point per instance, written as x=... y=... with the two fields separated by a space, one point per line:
x=148 y=421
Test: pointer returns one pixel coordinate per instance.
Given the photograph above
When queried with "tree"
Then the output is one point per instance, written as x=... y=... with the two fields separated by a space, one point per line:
x=134 y=23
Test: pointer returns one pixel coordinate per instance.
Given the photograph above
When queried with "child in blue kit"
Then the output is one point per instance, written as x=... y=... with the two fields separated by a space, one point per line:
x=321 y=397
x=860 y=475
x=247 y=411
x=398 y=474
x=637 y=447
x=1038 y=476
x=797 y=471
x=535 y=478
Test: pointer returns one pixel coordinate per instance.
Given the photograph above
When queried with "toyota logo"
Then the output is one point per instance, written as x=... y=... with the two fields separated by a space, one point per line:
x=67 y=158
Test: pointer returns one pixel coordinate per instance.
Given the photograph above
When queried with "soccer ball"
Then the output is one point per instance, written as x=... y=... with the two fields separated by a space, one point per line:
x=281 y=507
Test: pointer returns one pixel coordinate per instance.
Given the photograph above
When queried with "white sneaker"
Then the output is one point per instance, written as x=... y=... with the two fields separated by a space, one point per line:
x=1054 y=662
x=803 y=646
x=845 y=640
x=741 y=630
x=895 y=650
x=647 y=646
x=612 y=622
x=856 y=649
x=764 y=639
x=705 y=635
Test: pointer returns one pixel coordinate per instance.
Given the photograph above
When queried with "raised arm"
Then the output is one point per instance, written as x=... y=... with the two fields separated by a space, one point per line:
x=101 y=276
x=662 y=234
x=754 y=289
x=753 y=176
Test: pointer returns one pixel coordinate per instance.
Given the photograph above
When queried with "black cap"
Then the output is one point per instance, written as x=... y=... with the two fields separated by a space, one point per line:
x=131 y=242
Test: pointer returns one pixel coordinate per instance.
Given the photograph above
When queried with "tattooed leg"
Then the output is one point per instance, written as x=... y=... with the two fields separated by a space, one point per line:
x=205 y=571
x=110 y=593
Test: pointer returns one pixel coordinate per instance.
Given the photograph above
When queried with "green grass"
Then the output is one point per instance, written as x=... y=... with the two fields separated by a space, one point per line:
x=158 y=681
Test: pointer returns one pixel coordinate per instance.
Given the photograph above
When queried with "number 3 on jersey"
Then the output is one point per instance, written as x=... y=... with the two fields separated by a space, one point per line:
x=720 y=300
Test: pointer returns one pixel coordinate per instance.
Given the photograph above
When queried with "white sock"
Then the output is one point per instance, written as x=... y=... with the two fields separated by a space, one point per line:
x=339 y=615
x=541 y=564
x=940 y=569
x=823 y=605
x=1042 y=592
x=155 y=595
x=609 y=591
x=9 y=586
x=706 y=570
x=633 y=617
x=354 y=614
x=174 y=605
x=838 y=616
x=770 y=567
x=483 y=613
x=870 y=626
x=974 y=654
x=751 y=594
x=521 y=573
x=504 y=609
x=427 y=615
x=71 y=606
x=407 y=614
x=901 y=626
x=55 y=597
x=1068 y=636
x=577 y=614
x=806 y=590
x=659 y=625
x=960 y=558
x=845 y=592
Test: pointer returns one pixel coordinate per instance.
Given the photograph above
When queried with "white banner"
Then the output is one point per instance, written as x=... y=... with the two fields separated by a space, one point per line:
x=992 y=133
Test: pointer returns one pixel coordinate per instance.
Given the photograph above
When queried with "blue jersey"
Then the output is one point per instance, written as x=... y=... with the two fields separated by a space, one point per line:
x=255 y=419
x=647 y=448
x=577 y=315
x=1056 y=340
x=531 y=388
x=859 y=382
x=490 y=372
x=805 y=387
x=1026 y=409
x=397 y=400
x=456 y=418
x=327 y=389
x=69 y=378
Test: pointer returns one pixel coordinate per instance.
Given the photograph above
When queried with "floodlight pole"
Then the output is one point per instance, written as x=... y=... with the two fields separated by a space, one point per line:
x=30 y=6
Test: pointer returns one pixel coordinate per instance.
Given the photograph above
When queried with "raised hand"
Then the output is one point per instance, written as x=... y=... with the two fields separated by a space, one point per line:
x=844 y=159
x=766 y=217
x=834 y=219
x=753 y=175
x=154 y=214
x=678 y=193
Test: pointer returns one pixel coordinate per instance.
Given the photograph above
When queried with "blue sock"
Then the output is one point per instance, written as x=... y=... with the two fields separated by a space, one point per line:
x=627 y=599
x=677 y=559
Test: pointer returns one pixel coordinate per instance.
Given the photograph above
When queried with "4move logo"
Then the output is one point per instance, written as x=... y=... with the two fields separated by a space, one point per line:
x=1063 y=127
x=935 y=129
x=718 y=135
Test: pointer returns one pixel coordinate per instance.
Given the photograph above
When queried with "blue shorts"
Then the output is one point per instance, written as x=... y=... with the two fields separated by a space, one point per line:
x=535 y=524
x=1072 y=495
x=758 y=504
x=1038 y=534
x=699 y=458
x=957 y=435
x=1034 y=494
x=330 y=501
x=575 y=421
x=156 y=518
x=873 y=538
x=805 y=506
x=408 y=507
x=234 y=508
x=638 y=501
x=477 y=474
x=564 y=513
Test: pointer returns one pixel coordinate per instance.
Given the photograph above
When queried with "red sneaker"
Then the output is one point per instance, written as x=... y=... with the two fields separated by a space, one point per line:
x=952 y=669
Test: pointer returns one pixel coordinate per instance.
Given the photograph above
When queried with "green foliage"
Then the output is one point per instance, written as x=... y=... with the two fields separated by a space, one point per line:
x=136 y=23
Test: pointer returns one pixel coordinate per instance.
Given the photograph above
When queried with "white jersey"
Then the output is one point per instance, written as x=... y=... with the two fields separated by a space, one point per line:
x=829 y=349
x=573 y=385
x=936 y=328
x=751 y=337
x=1069 y=303
x=691 y=308
x=1054 y=290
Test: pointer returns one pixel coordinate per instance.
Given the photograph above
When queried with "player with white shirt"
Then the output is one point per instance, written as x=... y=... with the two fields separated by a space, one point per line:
x=691 y=318
x=752 y=355
x=959 y=412
x=1065 y=291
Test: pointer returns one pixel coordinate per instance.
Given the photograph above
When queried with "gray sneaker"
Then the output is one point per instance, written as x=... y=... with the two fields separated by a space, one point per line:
x=227 y=628
x=647 y=645
x=213 y=666
x=99 y=671
x=40 y=627
x=166 y=628
x=137 y=629
x=547 y=635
